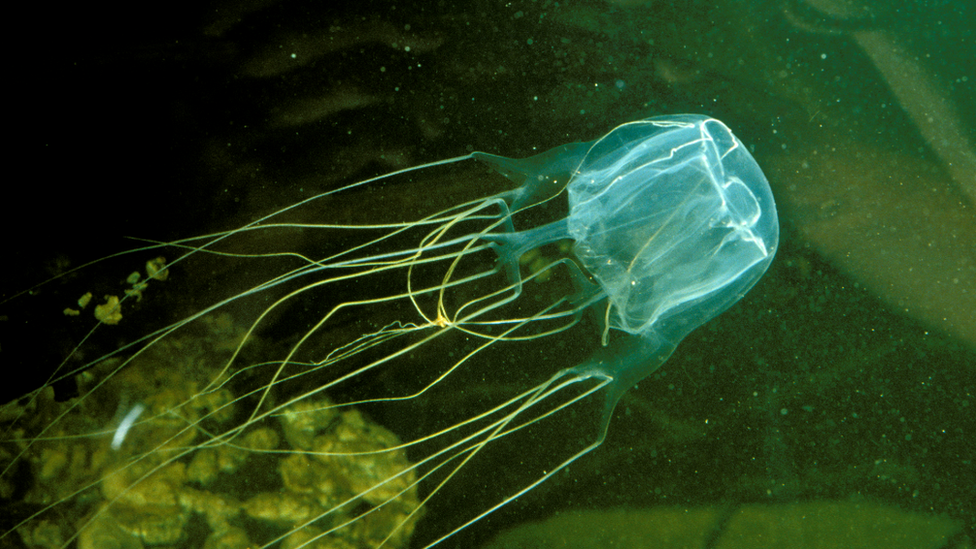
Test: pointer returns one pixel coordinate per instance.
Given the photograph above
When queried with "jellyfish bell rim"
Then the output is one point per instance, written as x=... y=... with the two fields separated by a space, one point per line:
x=538 y=178
x=733 y=165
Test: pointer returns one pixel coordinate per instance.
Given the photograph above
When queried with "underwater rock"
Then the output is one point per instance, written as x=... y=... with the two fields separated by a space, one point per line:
x=890 y=222
x=168 y=471
x=811 y=525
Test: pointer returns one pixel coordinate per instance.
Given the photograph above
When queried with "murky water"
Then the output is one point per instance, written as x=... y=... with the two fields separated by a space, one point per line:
x=846 y=373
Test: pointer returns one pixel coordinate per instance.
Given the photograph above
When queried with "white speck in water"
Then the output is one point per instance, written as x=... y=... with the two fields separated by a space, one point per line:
x=125 y=425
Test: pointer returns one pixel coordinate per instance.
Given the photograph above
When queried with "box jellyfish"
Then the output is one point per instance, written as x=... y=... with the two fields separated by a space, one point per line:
x=396 y=338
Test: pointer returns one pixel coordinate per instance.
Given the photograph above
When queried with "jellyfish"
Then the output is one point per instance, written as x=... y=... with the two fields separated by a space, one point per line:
x=423 y=332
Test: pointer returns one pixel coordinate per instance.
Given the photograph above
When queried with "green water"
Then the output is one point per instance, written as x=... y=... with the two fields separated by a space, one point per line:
x=847 y=374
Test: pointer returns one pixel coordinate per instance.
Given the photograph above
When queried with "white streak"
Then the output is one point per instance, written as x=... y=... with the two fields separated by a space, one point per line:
x=126 y=424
